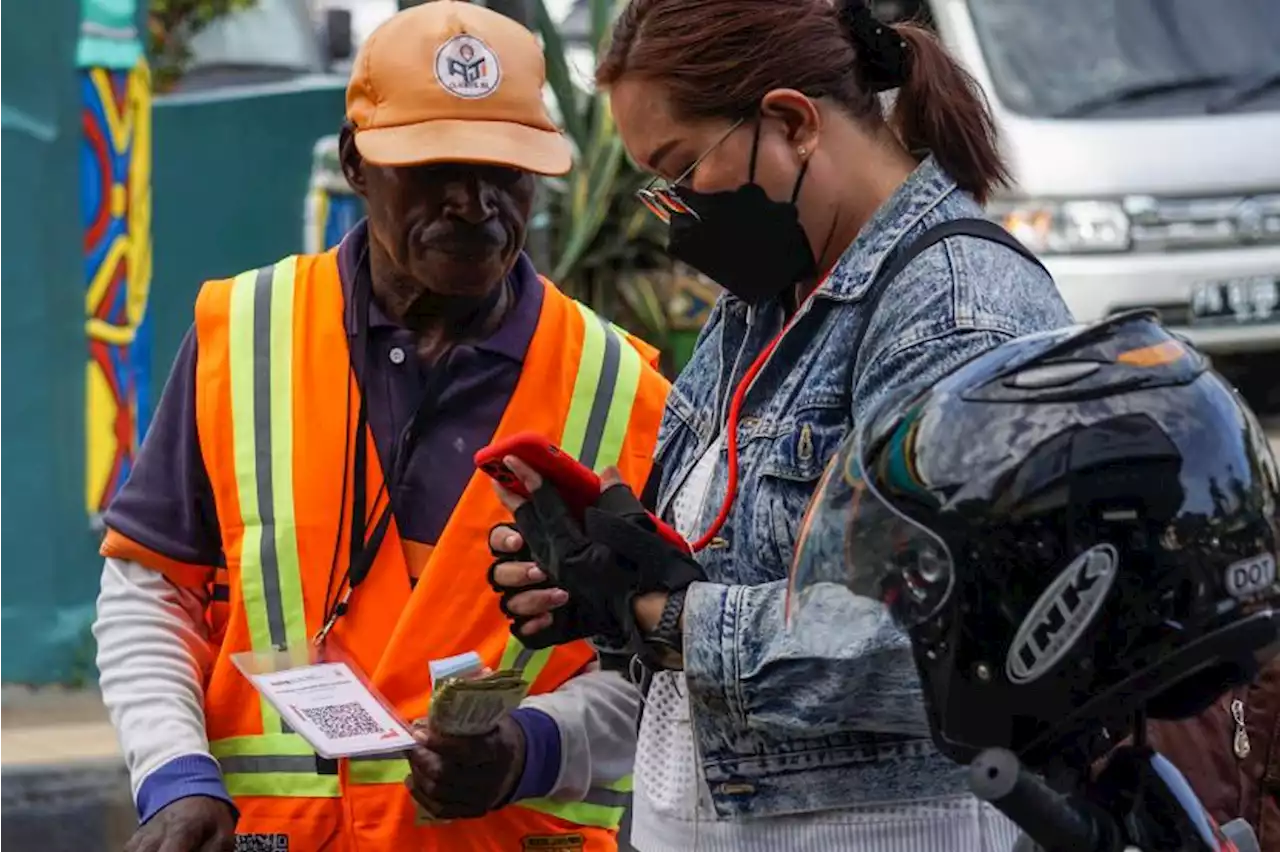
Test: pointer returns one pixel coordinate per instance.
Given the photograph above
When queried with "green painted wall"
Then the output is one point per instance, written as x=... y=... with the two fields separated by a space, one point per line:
x=230 y=179
x=47 y=557
x=230 y=171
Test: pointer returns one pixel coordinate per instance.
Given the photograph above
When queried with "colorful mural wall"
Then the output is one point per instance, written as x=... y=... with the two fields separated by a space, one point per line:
x=115 y=204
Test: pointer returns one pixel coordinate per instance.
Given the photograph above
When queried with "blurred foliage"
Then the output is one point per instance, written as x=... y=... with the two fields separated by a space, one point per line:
x=171 y=24
x=605 y=248
x=82 y=668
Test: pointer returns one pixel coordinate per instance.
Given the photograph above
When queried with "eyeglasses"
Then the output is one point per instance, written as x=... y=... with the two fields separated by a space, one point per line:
x=663 y=199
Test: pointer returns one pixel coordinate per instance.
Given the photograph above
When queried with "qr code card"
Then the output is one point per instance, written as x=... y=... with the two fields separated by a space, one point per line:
x=332 y=709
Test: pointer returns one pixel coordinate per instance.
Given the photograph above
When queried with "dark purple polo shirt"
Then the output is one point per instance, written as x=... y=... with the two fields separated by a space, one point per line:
x=167 y=503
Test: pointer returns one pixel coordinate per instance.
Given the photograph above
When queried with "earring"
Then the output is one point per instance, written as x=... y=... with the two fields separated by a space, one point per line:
x=802 y=152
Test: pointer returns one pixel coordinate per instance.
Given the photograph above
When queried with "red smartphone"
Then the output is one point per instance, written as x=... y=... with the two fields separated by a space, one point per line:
x=577 y=484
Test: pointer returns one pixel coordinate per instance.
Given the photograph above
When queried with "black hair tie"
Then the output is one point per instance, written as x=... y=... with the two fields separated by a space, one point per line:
x=883 y=56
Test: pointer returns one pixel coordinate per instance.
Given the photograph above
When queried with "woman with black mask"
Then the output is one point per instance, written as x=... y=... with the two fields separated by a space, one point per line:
x=852 y=246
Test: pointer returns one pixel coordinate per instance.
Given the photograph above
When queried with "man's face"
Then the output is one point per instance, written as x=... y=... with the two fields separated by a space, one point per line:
x=447 y=229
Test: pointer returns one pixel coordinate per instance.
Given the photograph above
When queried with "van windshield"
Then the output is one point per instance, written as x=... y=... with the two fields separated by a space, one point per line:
x=1105 y=58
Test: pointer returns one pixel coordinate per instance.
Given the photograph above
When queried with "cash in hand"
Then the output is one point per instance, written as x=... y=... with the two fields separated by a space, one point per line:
x=466 y=706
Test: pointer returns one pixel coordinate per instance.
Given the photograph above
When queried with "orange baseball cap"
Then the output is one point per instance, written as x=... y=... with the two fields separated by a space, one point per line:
x=448 y=81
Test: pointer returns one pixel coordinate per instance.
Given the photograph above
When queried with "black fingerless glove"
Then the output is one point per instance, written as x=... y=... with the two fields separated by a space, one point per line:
x=568 y=622
x=604 y=563
x=621 y=523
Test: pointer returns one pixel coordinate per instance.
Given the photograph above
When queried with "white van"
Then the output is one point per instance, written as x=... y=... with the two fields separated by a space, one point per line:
x=279 y=41
x=1144 y=139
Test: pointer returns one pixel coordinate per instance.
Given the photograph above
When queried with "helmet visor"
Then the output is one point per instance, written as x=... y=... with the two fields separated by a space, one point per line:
x=853 y=541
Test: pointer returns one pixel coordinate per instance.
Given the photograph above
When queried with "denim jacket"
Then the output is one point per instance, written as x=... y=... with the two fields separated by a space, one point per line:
x=830 y=716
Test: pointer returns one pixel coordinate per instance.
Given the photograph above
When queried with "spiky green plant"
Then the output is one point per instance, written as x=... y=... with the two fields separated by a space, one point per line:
x=172 y=24
x=604 y=247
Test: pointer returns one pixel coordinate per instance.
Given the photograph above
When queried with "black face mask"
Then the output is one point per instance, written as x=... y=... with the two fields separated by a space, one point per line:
x=746 y=242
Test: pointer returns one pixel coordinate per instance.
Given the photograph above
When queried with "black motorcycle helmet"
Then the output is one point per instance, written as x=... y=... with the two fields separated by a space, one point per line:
x=1071 y=527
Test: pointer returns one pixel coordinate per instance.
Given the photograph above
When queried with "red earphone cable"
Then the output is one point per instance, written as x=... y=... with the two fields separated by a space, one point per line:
x=735 y=409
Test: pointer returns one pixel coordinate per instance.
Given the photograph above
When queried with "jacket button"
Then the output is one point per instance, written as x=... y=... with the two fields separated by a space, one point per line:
x=805 y=448
x=736 y=789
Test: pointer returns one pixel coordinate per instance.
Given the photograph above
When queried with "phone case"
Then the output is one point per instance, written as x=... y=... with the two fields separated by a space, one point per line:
x=577 y=484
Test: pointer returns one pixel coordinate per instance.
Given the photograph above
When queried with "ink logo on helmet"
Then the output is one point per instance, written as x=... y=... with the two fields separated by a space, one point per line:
x=1062 y=614
x=467 y=68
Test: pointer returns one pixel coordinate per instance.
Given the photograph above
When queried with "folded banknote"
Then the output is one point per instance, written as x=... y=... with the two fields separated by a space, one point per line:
x=464 y=707
x=468 y=706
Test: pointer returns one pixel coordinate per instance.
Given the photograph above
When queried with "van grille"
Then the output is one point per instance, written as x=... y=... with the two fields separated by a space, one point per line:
x=1172 y=224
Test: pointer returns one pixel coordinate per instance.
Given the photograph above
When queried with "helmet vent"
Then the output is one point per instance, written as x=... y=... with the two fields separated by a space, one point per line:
x=1052 y=375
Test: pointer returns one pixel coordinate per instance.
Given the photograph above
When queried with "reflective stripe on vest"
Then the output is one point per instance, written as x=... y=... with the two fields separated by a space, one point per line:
x=603 y=394
x=272 y=765
x=260 y=343
x=260 y=337
x=603 y=806
x=260 y=332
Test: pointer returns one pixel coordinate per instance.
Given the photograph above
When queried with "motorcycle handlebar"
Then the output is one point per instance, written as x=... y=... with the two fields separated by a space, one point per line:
x=1052 y=820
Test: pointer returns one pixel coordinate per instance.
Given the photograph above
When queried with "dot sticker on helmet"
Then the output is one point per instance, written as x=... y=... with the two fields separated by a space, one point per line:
x=1061 y=614
x=1248 y=577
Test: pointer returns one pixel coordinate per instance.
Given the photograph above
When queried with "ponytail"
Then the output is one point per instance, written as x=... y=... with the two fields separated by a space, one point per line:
x=940 y=108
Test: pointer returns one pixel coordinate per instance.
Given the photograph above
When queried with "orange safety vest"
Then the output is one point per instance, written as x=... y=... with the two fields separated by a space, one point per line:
x=274 y=425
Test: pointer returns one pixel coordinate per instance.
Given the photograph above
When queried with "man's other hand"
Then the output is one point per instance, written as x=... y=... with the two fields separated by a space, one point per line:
x=466 y=777
x=193 y=824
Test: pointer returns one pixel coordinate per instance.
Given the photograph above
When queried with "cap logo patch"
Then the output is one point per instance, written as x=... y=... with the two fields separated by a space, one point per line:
x=467 y=68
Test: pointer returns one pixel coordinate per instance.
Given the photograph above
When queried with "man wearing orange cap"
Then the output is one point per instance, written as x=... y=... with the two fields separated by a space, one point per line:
x=307 y=482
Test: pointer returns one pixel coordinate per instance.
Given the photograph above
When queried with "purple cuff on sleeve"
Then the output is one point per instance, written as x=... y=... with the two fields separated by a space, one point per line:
x=541 y=753
x=181 y=778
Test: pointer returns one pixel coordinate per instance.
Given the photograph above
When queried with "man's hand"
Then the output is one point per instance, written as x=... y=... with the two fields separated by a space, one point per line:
x=466 y=777
x=193 y=824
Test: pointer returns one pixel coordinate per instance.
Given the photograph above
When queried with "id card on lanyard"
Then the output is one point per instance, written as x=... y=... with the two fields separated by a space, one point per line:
x=327 y=700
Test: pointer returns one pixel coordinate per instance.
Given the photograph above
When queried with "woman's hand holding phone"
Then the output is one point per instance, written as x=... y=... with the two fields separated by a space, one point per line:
x=576 y=585
x=526 y=596
x=522 y=584
x=542 y=613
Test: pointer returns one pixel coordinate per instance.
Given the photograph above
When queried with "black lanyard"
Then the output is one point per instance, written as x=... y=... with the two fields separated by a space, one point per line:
x=363 y=551
x=368 y=532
